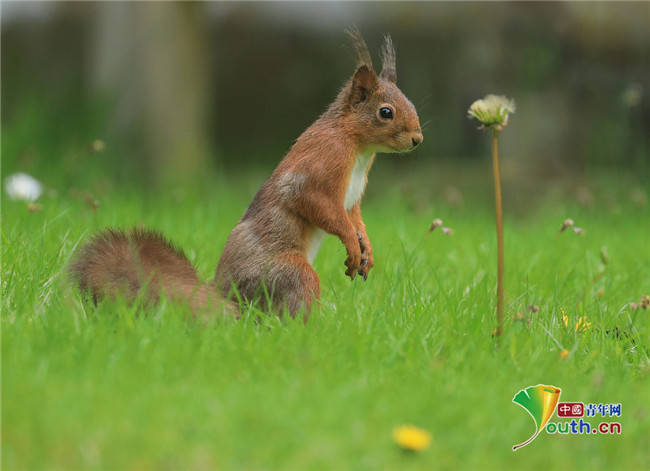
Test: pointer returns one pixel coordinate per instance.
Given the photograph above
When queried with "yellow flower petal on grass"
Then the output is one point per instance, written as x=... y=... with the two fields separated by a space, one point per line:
x=411 y=438
x=583 y=325
x=564 y=353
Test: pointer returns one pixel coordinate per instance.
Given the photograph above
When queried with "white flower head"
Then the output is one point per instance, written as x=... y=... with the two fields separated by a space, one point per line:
x=492 y=111
x=20 y=186
x=437 y=222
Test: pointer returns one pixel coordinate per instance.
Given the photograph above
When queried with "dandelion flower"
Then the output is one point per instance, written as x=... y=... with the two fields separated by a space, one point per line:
x=492 y=111
x=565 y=320
x=564 y=353
x=411 y=438
x=21 y=186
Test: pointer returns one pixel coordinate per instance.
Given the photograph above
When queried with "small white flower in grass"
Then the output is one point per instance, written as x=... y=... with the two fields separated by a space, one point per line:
x=21 y=186
x=492 y=111
x=567 y=223
x=437 y=222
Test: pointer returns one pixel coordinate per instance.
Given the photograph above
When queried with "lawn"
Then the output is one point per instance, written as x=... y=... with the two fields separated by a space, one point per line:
x=109 y=387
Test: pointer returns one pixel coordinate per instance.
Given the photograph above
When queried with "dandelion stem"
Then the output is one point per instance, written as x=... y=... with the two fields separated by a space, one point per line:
x=499 y=214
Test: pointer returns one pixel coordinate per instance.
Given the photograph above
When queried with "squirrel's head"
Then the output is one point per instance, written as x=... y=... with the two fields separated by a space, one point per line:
x=385 y=120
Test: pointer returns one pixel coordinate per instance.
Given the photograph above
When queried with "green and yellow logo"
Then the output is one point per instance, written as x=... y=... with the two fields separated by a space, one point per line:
x=540 y=402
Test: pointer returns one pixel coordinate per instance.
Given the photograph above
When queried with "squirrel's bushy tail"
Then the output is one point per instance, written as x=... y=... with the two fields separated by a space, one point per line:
x=117 y=263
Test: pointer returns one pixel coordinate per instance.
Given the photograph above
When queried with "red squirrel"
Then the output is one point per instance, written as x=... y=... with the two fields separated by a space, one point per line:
x=315 y=190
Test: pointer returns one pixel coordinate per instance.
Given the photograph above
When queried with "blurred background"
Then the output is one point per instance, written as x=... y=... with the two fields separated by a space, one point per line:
x=170 y=92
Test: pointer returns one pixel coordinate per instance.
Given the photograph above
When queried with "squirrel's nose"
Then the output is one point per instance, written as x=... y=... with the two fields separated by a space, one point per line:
x=416 y=140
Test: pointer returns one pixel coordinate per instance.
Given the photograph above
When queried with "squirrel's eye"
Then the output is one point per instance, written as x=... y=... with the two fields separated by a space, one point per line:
x=385 y=113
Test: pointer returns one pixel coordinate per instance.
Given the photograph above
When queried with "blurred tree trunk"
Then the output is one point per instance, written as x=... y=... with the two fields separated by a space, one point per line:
x=151 y=57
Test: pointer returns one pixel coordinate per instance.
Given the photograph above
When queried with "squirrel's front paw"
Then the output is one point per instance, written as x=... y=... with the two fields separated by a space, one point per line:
x=367 y=262
x=353 y=262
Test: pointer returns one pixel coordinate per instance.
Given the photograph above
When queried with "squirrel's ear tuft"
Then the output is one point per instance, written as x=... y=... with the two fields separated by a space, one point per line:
x=389 y=70
x=360 y=46
x=363 y=84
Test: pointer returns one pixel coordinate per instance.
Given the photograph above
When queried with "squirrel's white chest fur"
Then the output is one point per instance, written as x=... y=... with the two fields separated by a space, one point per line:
x=356 y=185
x=358 y=179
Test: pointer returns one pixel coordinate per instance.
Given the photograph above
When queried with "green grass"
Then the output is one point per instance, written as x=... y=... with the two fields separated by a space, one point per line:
x=106 y=387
